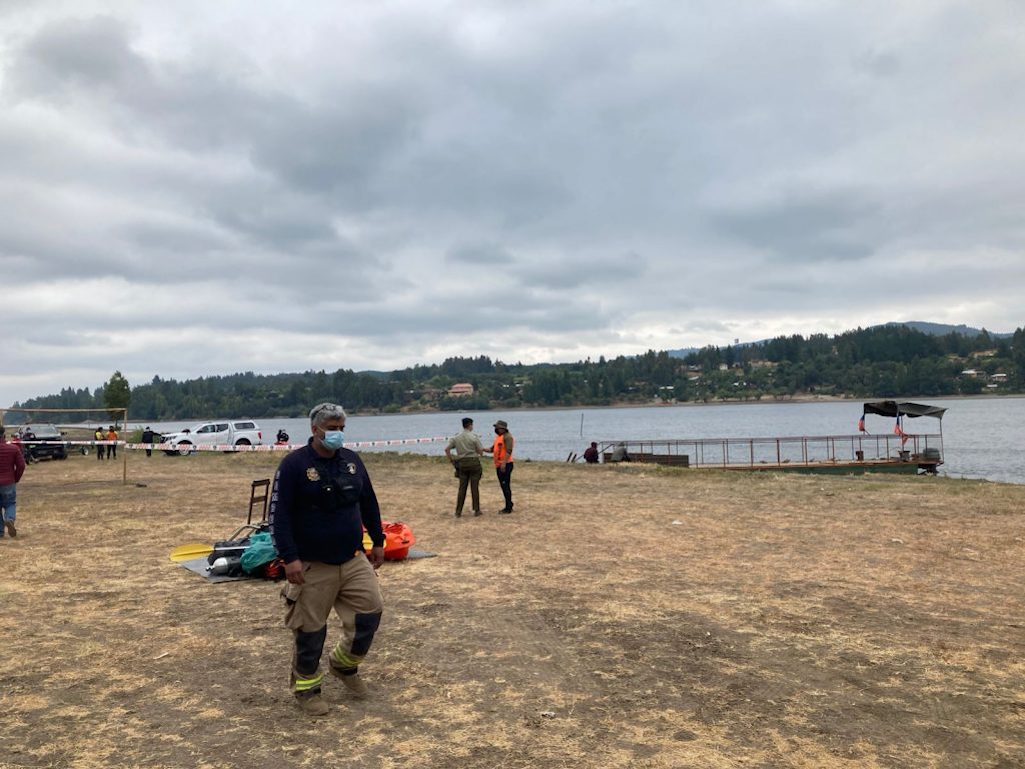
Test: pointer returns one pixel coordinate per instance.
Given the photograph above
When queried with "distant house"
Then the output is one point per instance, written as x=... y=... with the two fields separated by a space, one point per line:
x=460 y=389
x=998 y=378
x=970 y=372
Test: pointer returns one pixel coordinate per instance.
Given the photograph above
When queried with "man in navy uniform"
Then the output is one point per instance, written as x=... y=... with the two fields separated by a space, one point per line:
x=322 y=499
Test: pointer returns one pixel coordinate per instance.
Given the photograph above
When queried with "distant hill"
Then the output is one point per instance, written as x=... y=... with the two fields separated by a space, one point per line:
x=942 y=329
x=933 y=329
x=683 y=352
x=884 y=361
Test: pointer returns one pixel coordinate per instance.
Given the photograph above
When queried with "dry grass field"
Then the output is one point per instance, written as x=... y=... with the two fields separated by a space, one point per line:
x=623 y=616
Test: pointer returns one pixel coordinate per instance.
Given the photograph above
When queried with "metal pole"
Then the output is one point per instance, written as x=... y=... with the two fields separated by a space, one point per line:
x=124 y=454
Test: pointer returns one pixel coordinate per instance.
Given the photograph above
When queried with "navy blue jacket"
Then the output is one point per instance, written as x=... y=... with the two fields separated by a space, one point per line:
x=319 y=507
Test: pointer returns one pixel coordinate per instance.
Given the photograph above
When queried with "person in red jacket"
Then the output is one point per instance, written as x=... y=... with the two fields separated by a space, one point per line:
x=12 y=467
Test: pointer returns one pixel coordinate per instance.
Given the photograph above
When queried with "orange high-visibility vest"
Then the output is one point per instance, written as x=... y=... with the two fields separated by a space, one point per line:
x=500 y=451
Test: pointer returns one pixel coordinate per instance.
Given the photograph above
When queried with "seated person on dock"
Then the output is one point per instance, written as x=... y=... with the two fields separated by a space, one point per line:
x=591 y=454
x=619 y=454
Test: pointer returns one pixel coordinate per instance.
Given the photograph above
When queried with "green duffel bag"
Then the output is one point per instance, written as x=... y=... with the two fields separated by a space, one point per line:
x=260 y=552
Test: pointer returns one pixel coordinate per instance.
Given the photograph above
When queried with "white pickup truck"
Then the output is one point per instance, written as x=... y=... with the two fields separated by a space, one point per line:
x=226 y=432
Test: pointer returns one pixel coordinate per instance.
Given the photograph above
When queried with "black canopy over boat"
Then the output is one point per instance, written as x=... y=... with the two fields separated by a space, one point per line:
x=903 y=409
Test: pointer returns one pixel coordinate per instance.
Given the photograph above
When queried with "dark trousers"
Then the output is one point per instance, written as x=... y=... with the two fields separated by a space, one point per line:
x=505 y=481
x=112 y=451
x=99 y=452
x=469 y=472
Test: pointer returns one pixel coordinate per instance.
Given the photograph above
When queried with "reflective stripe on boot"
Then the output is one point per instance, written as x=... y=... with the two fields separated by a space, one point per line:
x=305 y=685
x=342 y=662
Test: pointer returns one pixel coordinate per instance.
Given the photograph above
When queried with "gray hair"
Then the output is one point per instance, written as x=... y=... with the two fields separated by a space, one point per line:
x=322 y=412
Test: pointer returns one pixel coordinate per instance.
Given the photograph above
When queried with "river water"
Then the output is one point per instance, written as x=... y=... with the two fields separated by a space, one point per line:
x=983 y=437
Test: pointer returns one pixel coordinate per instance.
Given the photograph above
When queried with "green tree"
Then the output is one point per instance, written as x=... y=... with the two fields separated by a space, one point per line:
x=117 y=394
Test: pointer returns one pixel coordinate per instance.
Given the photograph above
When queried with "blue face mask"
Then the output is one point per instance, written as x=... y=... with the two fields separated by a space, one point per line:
x=334 y=439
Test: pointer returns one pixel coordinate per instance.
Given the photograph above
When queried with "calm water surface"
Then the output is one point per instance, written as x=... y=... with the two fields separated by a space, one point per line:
x=983 y=437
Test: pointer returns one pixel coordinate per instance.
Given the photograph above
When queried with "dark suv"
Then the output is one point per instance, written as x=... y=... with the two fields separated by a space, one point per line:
x=42 y=432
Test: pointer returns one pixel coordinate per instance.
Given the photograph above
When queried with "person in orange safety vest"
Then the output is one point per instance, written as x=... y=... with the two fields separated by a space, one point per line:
x=503 y=453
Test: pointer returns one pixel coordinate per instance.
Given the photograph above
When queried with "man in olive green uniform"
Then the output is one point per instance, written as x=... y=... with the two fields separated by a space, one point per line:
x=467 y=450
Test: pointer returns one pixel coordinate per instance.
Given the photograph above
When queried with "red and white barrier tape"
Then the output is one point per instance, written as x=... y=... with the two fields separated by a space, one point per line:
x=230 y=447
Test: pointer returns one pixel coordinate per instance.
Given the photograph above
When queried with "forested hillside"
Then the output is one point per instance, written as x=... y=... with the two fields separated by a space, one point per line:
x=881 y=362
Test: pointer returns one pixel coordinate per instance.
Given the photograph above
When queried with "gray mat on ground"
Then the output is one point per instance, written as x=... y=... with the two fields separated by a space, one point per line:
x=198 y=566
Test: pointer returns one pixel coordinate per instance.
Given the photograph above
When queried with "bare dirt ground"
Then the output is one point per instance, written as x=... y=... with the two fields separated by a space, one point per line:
x=621 y=617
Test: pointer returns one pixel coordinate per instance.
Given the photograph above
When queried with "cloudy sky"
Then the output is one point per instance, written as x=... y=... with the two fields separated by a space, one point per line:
x=195 y=188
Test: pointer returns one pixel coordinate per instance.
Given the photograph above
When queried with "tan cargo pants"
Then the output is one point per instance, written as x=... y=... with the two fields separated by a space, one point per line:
x=352 y=589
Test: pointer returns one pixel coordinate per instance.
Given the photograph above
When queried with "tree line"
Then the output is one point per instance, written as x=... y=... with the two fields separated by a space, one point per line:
x=880 y=362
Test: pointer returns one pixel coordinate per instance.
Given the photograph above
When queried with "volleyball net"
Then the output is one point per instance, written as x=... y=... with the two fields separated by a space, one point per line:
x=54 y=433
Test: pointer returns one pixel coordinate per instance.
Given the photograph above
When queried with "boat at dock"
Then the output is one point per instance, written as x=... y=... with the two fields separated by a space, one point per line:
x=890 y=451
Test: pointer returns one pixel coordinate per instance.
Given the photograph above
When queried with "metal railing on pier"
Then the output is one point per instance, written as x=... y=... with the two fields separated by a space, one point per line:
x=754 y=453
